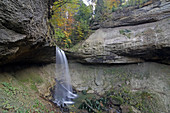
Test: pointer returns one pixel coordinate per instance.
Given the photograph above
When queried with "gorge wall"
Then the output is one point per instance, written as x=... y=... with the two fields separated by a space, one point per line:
x=25 y=31
x=129 y=36
x=150 y=77
x=133 y=39
x=37 y=81
x=25 y=36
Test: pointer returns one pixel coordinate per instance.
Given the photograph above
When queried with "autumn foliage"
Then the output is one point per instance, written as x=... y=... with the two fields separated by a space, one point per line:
x=71 y=18
x=63 y=21
x=71 y=21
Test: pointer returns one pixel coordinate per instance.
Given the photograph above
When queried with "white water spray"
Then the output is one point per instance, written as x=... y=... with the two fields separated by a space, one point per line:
x=63 y=92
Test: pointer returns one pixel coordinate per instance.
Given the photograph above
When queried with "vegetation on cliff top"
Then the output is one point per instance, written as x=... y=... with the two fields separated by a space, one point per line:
x=71 y=22
x=105 y=7
x=71 y=19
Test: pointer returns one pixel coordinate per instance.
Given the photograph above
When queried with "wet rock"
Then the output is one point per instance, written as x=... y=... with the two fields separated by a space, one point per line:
x=139 y=77
x=152 y=77
x=116 y=100
x=45 y=90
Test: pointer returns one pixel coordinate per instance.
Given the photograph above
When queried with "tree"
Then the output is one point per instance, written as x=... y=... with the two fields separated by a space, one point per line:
x=63 y=21
x=84 y=13
x=82 y=18
x=112 y=4
x=100 y=10
x=136 y=2
x=71 y=19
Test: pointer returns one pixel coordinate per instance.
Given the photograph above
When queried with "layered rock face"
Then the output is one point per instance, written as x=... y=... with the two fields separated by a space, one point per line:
x=151 y=12
x=24 y=31
x=142 y=77
x=146 y=36
x=148 y=76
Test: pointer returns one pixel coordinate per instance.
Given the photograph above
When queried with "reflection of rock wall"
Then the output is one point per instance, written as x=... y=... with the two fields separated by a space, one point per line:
x=151 y=77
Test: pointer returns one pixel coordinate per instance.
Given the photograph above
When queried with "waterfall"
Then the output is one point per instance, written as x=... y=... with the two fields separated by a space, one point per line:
x=63 y=92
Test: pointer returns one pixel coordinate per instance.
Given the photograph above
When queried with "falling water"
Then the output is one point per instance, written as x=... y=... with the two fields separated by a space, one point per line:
x=63 y=90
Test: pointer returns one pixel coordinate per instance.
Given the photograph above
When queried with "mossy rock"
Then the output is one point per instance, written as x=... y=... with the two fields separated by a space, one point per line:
x=84 y=92
x=126 y=109
x=116 y=100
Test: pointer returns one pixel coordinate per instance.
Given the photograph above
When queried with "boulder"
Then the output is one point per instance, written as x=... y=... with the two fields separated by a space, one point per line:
x=24 y=31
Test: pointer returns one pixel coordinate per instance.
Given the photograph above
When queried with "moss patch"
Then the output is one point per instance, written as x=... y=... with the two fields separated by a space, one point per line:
x=19 y=92
x=125 y=32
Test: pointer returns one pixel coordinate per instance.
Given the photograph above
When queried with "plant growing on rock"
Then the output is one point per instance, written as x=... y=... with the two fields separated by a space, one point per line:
x=121 y=98
x=125 y=32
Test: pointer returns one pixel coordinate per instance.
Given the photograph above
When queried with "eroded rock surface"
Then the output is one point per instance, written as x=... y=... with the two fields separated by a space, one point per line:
x=24 y=30
x=151 y=12
x=131 y=35
x=130 y=44
x=153 y=78
x=150 y=77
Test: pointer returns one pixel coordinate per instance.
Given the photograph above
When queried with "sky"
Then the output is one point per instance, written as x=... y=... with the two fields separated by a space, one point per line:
x=87 y=2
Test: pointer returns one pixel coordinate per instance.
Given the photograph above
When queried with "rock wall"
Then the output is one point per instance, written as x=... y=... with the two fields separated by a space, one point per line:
x=151 y=77
x=152 y=12
x=24 y=31
x=130 y=38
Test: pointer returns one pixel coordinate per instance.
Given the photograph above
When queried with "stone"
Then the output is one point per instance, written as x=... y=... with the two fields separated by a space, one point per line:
x=126 y=109
x=44 y=90
x=132 y=35
x=24 y=31
x=135 y=110
x=116 y=100
x=152 y=12
x=90 y=91
x=148 y=76
x=112 y=110
x=129 y=44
